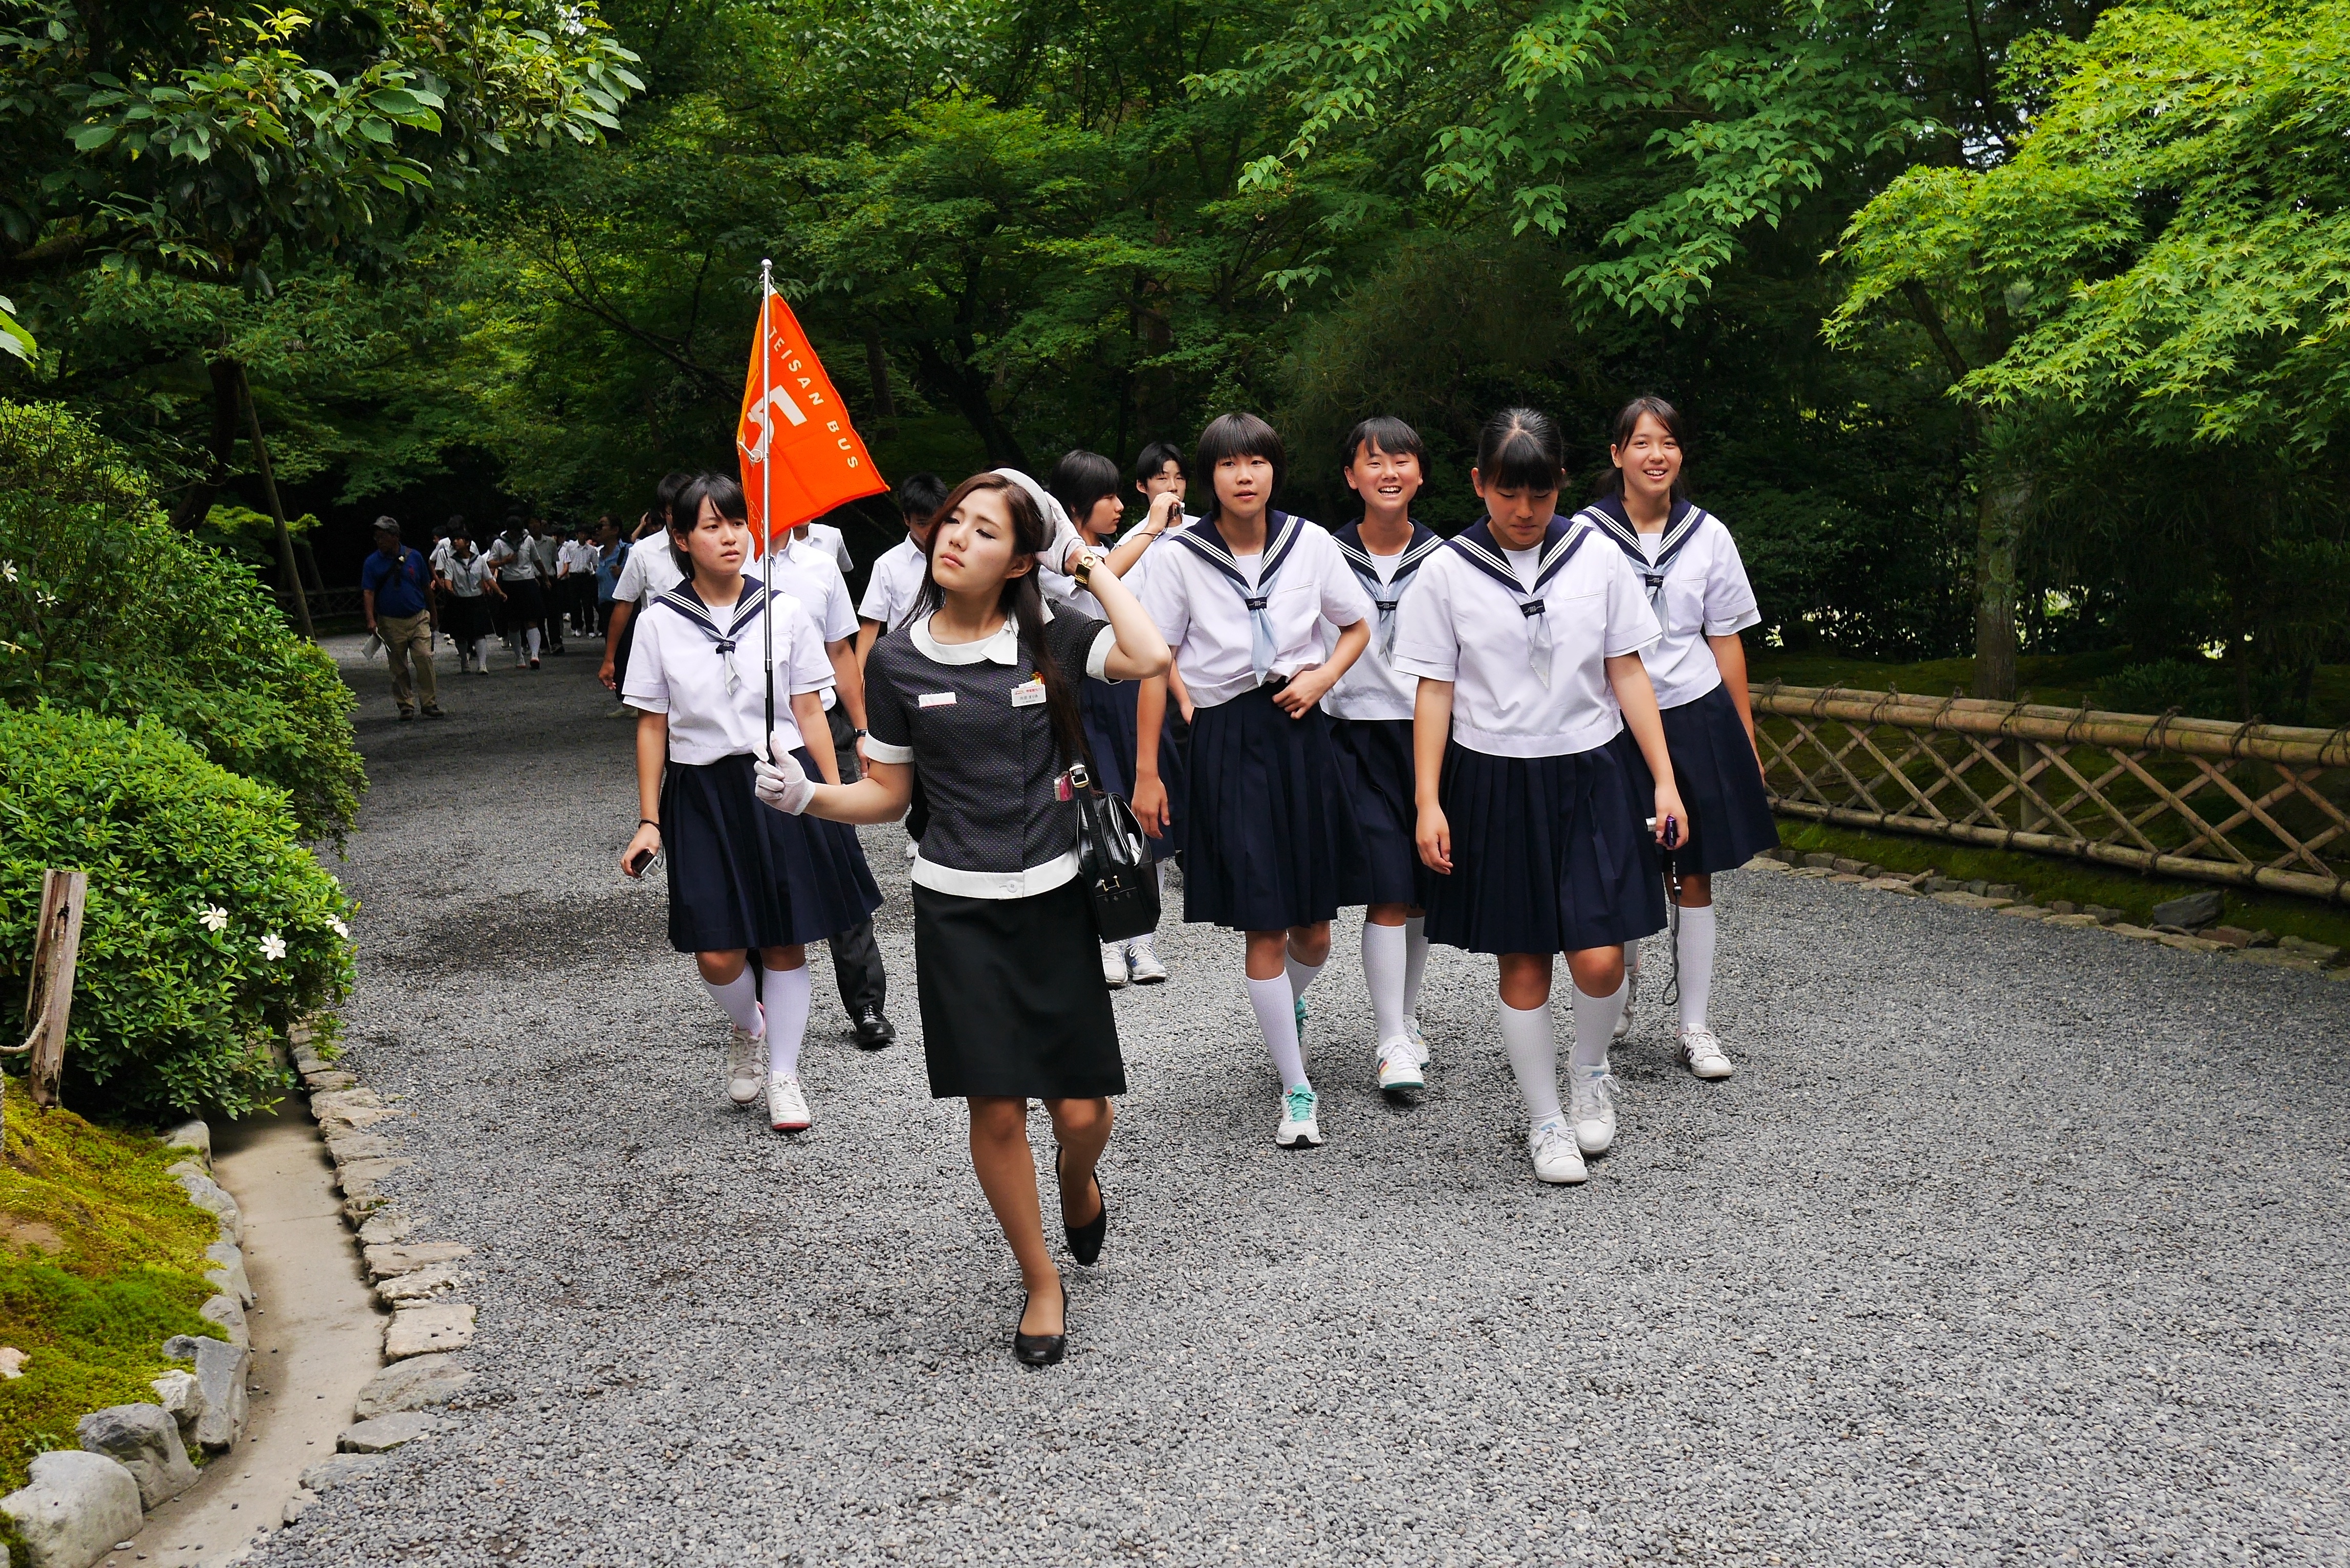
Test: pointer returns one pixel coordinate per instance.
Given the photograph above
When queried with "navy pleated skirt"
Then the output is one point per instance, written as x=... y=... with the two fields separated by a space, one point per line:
x=1549 y=854
x=1272 y=840
x=1374 y=757
x=1720 y=782
x=1108 y=709
x=743 y=876
x=1011 y=996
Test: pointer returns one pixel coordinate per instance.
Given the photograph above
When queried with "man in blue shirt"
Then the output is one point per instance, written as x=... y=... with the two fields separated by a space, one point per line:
x=396 y=590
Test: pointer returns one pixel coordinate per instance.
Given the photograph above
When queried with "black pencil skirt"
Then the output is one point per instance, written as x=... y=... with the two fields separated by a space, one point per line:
x=1011 y=996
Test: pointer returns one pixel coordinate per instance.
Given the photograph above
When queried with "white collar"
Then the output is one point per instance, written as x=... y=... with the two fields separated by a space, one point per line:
x=1002 y=647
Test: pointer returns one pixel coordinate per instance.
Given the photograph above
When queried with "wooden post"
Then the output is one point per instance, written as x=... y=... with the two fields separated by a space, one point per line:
x=285 y=564
x=48 y=1006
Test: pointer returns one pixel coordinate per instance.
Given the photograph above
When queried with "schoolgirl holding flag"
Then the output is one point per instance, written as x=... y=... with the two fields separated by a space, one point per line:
x=1274 y=848
x=744 y=883
x=1385 y=464
x=1696 y=585
x=1537 y=752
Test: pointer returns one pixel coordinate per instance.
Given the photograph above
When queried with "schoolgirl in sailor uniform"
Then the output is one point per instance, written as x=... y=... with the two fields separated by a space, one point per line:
x=1086 y=485
x=470 y=580
x=1537 y=752
x=1273 y=848
x=1385 y=464
x=742 y=880
x=976 y=693
x=1696 y=585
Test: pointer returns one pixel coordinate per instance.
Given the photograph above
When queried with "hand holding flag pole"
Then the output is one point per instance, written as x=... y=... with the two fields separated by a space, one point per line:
x=800 y=456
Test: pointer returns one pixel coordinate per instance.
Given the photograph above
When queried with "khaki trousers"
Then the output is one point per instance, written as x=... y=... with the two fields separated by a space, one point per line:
x=404 y=635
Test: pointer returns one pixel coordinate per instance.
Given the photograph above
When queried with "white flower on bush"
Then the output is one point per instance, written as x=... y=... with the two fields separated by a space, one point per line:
x=273 y=947
x=9 y=570
x=213 y=918
x=340 y=929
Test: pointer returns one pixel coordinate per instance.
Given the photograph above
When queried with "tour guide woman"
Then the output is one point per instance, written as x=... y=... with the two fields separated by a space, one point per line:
x=977 y=692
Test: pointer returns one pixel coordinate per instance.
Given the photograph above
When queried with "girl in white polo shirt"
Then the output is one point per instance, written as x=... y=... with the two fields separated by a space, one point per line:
x=742 y=879
x=1537 y=751
x=1272 y=845
x=1696 y=585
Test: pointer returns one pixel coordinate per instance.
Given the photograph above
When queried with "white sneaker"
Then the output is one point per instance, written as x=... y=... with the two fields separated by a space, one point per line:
x=1556 y=1160
x=746 y=1064
x=1114 y=965
x=1298 y=1128
x=1631 y=995
x=1399 y=1074
x=1142 y=958
x=1418 y=1041
x=1701 y=1053
x=1594 y=1111
x=788 y=1107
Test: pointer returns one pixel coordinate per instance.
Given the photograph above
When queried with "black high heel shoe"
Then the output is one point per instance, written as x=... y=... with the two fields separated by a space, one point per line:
x=1041 y=1349
x=1086 y=1239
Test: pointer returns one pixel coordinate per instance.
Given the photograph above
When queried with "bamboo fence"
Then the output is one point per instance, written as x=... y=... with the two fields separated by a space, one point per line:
x=2250 y=806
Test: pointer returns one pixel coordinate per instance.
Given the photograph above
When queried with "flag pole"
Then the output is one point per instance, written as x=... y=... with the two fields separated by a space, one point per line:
x=766 y=502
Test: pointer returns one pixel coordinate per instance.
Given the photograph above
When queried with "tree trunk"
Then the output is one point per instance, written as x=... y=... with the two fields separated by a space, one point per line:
x=877 y=369
x=968 y=393
x=227 y=413
x=2003 y=499
x=291 y=572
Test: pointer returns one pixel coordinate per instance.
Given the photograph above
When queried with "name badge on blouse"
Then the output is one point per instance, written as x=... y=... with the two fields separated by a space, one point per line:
x=1028 y=693
x=937 y=698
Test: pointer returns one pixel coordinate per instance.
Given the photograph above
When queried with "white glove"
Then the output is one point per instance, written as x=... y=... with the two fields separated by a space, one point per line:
x=782 y=783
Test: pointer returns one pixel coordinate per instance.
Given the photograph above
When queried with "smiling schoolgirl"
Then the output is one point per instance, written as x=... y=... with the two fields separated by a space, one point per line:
x=1272 y=845
x=1385 y=464
x=1696 y=585
x=742 y=880
x=1537 y=751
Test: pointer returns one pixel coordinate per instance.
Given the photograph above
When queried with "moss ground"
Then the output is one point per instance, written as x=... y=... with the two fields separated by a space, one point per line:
x=101 y=1259
x=2044 y=878
x=2058 y=679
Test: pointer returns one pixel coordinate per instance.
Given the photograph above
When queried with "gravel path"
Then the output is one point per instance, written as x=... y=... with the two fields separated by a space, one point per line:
x=2006 y=1244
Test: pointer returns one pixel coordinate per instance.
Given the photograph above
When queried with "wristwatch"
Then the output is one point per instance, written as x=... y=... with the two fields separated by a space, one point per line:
x=1082 y=563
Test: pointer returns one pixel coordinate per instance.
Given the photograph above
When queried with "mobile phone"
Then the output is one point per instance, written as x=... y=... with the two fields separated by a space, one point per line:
x=642 y=861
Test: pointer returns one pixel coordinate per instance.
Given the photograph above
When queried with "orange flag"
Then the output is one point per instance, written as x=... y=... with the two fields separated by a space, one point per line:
x=800 y=456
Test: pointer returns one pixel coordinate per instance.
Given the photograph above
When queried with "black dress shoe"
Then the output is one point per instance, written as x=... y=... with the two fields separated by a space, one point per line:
x=1041 y=1349
x=874 y=1028
x=1086 y=1239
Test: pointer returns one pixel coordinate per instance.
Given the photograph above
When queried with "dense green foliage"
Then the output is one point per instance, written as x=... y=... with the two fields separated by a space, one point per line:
x=209 y=929
x=101 y=1259
x=104 y=607
x=2002 y=324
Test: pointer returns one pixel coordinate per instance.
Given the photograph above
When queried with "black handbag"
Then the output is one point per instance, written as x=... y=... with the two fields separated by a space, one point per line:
x=1114 y=862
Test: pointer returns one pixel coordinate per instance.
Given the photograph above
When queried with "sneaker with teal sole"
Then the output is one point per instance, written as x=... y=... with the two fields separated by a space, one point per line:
x=1298 y=1128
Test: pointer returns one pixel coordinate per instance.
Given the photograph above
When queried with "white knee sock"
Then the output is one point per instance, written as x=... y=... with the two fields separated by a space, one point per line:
x=1278 y=1025
x=481 y=652
x=1631 y=960
x=1383 y=968
x=787 y=1010
x=739 y=997
x=530 y=636
x=1300 y=975
x=1415 y=962
x=1696 y=951
x=1533 y=1057
x=1595 y=1026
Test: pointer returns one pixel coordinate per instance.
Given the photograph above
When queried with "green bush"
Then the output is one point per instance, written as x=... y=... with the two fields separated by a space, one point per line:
x=103 y=607
x=209 y=927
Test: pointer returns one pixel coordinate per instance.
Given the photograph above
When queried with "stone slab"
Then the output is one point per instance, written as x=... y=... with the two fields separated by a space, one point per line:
x=381 y=1434
x=419 y=1284
x=383 y=1263
x=415 y=1331
x=328 y=1474
x=415 y=1384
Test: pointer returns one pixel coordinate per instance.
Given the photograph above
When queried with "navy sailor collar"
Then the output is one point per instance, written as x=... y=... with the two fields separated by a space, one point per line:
x=1681 y=524
x=1561 y=540
x=1282 y=533
x=746 y=608
x=1425 y=541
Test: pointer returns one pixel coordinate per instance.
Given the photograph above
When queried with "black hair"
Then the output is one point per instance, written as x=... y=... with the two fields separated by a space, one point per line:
x=666 y=492
x=1155 y=456
x=1627 y=421
x=457 y=530
x=1238 y=435
x=1388 y=433
x=1020 y=598
x=921 y=497
x=456 y=521
x=722 y=491
x=1520 y=449
x=1078 y=482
